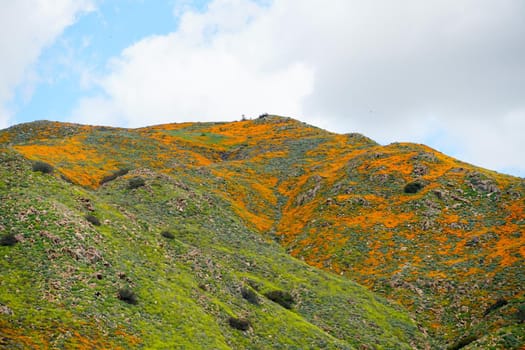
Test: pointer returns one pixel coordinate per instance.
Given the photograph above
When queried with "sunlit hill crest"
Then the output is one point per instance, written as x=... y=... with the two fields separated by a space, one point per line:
x=440 y=238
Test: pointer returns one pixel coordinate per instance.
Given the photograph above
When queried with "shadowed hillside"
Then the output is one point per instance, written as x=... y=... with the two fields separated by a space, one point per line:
x=443 y=238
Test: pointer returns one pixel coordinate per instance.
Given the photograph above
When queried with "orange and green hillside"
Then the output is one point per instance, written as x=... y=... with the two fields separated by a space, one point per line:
x=441 y=238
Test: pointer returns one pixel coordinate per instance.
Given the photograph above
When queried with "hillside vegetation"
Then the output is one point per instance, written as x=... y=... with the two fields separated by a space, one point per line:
x=184 y=235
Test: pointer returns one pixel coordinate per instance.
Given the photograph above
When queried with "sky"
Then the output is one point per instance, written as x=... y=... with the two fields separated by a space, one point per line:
x=446 y=73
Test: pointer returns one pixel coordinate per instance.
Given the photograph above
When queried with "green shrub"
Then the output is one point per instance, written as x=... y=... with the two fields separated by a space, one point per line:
x=167 y=234
x=8 y=240
x=413 y=187
x=239 y=324
x=93 y=220
x=136 y=182
x=113 y=176
x=463 y=342
x=282 y=298
x=499 y=303
x=42 y=167
x=250 y=296
x=127 y=296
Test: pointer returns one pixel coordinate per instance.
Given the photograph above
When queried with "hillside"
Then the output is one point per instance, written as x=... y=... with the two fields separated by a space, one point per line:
x=442 y=238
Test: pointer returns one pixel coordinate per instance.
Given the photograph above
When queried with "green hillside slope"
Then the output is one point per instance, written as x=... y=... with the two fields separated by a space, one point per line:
x=190 y=262
x=443 y=238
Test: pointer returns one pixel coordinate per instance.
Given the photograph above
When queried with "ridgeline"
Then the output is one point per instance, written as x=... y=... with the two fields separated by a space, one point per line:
x=258 y=234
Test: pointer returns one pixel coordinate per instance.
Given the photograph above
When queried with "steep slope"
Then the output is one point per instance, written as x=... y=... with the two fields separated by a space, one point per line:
x=164 y=264
x=448 y=251
x=444 y=238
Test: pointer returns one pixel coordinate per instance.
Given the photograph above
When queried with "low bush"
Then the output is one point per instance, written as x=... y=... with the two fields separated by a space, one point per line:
x=282 y=298
x=167 y=234
x=413 y=187
x=136 y=182
x=127 y=296
x=8 y=240
x=93 y=220
x=250 y=296
x=113 y=176
x=499 y=303
x=463 y=342
x=240 y=324
x=42 y=167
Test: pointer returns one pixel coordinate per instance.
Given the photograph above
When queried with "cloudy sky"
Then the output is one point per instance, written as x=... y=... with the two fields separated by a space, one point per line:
x=447 y=73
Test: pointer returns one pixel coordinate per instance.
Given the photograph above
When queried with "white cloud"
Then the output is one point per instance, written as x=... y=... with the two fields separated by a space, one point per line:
x=392 y=70
x=208 y=70
x=498 y=144
x=27 y=27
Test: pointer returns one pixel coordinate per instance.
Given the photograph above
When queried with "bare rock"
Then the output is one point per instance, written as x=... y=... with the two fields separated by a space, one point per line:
x=87 y=204
x=439 y=193
x=420 y=170
x=429 y=157
x=5 y=310
x=309 y=194
x=478 y=182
